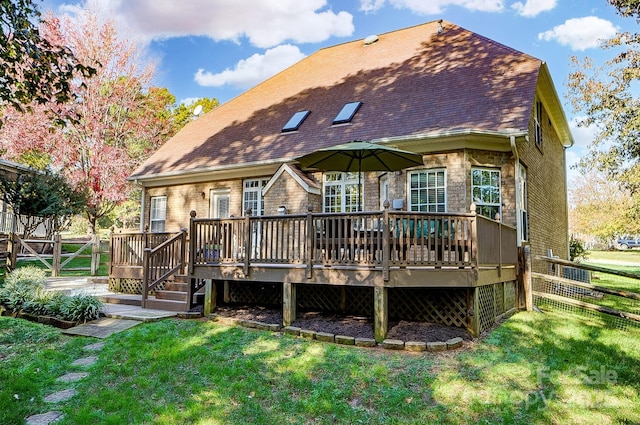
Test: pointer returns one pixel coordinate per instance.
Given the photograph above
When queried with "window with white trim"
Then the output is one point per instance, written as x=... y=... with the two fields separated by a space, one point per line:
x=428 y=190
x=158 y=214
x=341 y=192
x=485 y=191
x=252 y=195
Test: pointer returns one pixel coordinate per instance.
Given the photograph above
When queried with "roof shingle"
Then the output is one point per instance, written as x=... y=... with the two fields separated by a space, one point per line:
x=411 y=81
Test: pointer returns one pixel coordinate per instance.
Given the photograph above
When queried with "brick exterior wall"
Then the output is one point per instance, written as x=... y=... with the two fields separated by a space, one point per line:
x=287 y=191
x=547 y=191
x=546 y=187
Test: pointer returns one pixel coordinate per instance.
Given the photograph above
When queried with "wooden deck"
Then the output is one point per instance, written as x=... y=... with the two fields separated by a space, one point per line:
x=379 y=250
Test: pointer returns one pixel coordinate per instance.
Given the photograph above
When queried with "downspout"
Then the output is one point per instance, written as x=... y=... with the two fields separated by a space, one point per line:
x=142 y=203
x=514 y=150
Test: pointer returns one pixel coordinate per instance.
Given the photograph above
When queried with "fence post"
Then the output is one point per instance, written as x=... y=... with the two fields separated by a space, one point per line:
x=526 y=277
x=57 y=254
x=95 y=254
x=12 y=251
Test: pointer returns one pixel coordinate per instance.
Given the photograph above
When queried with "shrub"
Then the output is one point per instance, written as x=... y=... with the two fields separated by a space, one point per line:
x=80 y=308
x=577 y=252
x=37 y=303
x=21 y=287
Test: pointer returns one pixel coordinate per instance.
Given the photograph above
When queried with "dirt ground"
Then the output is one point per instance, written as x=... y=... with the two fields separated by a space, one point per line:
x=357 y=327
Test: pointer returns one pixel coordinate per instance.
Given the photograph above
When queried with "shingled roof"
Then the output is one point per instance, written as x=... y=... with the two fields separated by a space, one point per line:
x=413 y=81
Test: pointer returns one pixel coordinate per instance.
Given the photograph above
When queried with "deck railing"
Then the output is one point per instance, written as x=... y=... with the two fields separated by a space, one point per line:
x=163 y=261
x=380 y=239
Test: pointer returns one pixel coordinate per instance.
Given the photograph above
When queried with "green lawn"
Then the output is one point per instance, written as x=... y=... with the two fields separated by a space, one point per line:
x=535 y=368
x=630 y=255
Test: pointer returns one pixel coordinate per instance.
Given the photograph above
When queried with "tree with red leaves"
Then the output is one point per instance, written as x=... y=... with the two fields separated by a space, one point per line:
x=119 y=120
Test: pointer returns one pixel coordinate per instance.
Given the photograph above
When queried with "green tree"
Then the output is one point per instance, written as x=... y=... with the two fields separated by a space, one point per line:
x=183 y=114
x=41 y=198
x=605 y=94
x=33 y=68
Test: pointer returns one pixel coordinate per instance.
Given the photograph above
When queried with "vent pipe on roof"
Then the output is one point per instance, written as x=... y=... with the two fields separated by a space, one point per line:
x=370 y=40
x=440 y=27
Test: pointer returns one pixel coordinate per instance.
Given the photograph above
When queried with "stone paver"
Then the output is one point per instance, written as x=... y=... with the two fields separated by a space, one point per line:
x=44 y=418
x=72 y=377
x=102 y=328
x=85 y=361
x=59 y=396
x=94 y=347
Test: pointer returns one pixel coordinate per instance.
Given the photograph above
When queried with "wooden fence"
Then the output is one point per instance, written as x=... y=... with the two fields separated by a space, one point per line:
x=50 y=253
x=558 y=289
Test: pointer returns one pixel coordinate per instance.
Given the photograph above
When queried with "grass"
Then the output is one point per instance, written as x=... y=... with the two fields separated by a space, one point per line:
x=534 y=368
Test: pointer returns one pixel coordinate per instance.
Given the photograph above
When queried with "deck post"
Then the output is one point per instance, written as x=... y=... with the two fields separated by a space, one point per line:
x=192 y=245
x=225 y=291
x=247 y=241
x=474 y=237
x=146 y=254
x=210 y=296
x=289 y=303
x=386 y=251
x=380 y=313
x=475 y=322
x=310 y=243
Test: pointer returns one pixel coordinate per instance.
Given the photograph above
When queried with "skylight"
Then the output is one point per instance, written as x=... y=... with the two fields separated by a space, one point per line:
x=295 y=121
x=347 y=112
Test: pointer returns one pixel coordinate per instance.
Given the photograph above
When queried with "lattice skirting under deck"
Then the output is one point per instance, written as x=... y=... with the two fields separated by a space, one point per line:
x=128 y=286
x=493 y=302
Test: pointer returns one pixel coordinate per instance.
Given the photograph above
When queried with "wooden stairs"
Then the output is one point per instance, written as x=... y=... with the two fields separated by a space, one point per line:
x=172 y=298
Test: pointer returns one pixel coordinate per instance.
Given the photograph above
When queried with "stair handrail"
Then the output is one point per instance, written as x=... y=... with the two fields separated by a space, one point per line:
x=150 y=282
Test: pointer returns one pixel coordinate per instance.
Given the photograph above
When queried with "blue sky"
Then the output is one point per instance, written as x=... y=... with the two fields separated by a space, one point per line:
x=219 y=48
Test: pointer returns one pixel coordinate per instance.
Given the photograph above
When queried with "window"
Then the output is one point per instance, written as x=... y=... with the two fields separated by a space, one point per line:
x=252 y=196
x=347 y=112
x=521 y=204
x=485 y=191
x=158 y=214
x=341 y=192
x=428 y=191
x=537 y=123
x=219 y=206
x=295 y=121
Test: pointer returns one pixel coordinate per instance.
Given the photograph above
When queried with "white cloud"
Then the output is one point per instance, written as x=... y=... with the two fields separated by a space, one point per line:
x=580 y=33
x=582 y=136
x=532 y=8
x=433 y=7
x=266 y=23
x=252 y=70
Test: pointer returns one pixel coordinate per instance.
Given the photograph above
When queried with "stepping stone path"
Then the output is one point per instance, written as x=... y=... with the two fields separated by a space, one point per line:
x=64 y=395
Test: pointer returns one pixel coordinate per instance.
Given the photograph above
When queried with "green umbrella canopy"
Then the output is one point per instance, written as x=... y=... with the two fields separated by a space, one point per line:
x=360 y=156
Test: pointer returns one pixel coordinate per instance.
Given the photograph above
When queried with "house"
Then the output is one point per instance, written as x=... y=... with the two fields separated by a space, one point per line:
x=485 y=117
x=9 y=223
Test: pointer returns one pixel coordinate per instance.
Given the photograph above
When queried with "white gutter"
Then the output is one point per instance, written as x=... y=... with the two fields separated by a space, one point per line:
x=508 y=133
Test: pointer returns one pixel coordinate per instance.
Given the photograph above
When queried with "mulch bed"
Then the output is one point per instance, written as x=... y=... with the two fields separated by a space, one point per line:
x=354 y=326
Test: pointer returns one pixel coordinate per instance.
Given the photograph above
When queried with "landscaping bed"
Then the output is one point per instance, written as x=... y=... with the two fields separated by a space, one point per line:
x=354 y=326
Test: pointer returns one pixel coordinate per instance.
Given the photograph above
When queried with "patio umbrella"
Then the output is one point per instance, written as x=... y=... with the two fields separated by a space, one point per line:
x=359 y=156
